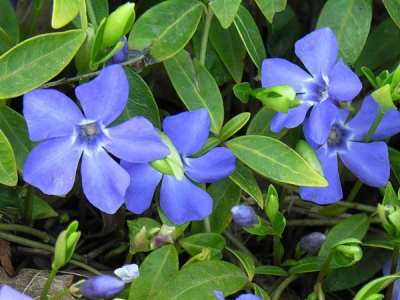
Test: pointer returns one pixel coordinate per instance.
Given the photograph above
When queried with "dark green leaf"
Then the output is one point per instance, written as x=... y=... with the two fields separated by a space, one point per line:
x=225 y=10
x=234 y=125
x=270 y=7
x=246 y=261
x=271 y=270
x=393 y=8
x=260 y=124
x=8 y=166
x=195 y=243
x=9 y=28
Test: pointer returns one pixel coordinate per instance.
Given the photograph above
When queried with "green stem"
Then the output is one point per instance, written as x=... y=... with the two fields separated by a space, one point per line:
x=204 y=38
x=277 y=259
x=29 y=230
x=207 y=225
x=92 y=15
x=47 y=286
x=354 y=191
x=60 y=294
x=284 y=284
x=37 y=7
x=321 y=276
x=327 y=222
x=83 y=16
x=374 y=126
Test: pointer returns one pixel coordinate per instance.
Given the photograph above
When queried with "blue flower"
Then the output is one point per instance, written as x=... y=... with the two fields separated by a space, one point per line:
x=122 y=54
x=220 y=296
x=102 y=286
x=66 y=135
x=180 y=199
x=244 y=215
x=7 y=293
x=368 y=161
x=329 y=81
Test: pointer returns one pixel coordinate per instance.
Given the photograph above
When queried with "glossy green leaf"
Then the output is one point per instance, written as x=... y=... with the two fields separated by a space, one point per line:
x=393 y=8
x=8 y=166
x=37 y=60
x=195 y=243
x=307 y=264
x=14 y=127
x=259 y=291
x=141 y=101
x=198 y=281
x=246 y=262
x=225 y=195
x=275 y=160
x=244 y=178
x=100 y=9
x=375 y=286
x=9 y=27
x=250 y=35
x=270 y=7
x=166 y=28
x=230 y=49
x=355 y=226
x=271 y=271
x=196 y=87
x=157 y=268
x=351 y=21
x=225 y=10
x=260 y=124
x=64 y=11
x=234 y=125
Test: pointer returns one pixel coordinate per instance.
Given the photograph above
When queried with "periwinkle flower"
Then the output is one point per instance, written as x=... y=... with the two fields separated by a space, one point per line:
x=101 y=286
x=368 y=161
x=8 y=293
x=328 y=82
x=312 y=242
x=180 y=199
x=66 y=135
x=122 y=54
x=127 y=273
x=220 y=296
x=244 y=215
x=396 y=287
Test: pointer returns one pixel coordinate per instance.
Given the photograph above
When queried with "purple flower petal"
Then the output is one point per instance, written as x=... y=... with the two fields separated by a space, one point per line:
x=122 y=54
x=318 y=126
x=104 y=181
x=104 y=98
x=368 y=161
x=102 y=286
x=144 y=180
x=50 y=114
x=51 y=166
x=277 y=71
x=389 y=125
x=318 y=51
x=8 y=293
x=344 y=84
x=248 y=297
x=219 y=295
x=333 y=192
x=293 y=118
x=182 y=201
x=188 y=131
x=212 y=166
x=136 y=140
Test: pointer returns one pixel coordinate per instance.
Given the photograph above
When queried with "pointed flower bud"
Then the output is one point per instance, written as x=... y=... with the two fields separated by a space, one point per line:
x=312 y=242
x=244 y=215
x=102 y=286
x=65 y=245
x=127 y=273
x=166 y=235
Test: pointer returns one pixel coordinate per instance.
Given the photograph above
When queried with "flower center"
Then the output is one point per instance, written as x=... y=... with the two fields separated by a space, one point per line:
x=323 y=93
x=338 y=136
x=89 y=131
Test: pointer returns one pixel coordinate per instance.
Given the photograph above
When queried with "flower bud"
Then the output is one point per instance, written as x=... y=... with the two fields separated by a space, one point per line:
x=118 y=23
x=102 y=286
x=244 y=215
x=65 y=245
x=312 y=242
x=166 y=235
x=127 y=273
x=278 y=98
x=122 y=54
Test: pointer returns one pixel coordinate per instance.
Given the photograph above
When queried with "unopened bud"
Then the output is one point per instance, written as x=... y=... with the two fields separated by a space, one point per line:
x=244 y=215
x=127 y=273
x=102 y=286
x=312 y=242
x=166 y=235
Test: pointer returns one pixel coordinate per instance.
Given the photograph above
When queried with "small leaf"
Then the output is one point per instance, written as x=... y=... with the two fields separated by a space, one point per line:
x=9 y=27
x=271 y=271
x=64 y=11
x=41 y=209
x=275 y=160
x=375 y=286
x=260 y=124
x=225 y=10
x=246 y=261
x=166 y=28
x=37 y=60
x=250 y=35
x=8 y=167
x=270 y=7
x=195 y=243
x=393 y=8
x=234 y=125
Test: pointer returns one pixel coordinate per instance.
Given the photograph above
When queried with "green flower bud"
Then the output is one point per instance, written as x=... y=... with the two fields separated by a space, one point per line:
x=348 y=254
x=118 y=24
x=383 y=96
x=166 y=235
x=278 y=98
x=82 y=58
x=141 y=241
x=65 y=245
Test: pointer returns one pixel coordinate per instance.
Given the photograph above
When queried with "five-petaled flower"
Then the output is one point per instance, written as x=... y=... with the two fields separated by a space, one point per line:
x=66 y=135
x=369 y=161
x=180 y=199
x=329 y=81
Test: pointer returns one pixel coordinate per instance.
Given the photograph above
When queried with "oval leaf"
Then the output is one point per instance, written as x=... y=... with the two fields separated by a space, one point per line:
x=64 y=11
x=35 y=61
x=9 y=27
x=275 y=160
x=225 y=10
x=8 y=167
x=270 y=7
x=195 y=243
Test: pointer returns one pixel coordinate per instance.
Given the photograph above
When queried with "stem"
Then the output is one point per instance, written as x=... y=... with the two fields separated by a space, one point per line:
x=277 y=259
x=92 y=15
x=87 y=75
x=204 y=38
x=284 y=284
x=374 y=126
x=83 y=16
x=321 y=275
x=37 y=7
x=26 y=229
x=207 y=225
x=60 y=294
x=47 y=286
x=354 y=191
x=28 y=204
x=327 y=222
x=240 y=246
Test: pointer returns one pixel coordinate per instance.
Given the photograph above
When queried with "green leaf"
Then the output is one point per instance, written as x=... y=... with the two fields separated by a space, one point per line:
x=260 y=124
x=351 y=21
x=141 y=101
x=64 y=11
x=271 y=271
x=250 y=35
x=230 y=49
x=8 y=166
x=234 y=125
x=14 y=127
x=246 y=261
x=100 y=8
x=37 y=60
x=195 y=243
x=134 y=226
x=308 y=264
x=355 y=226
x=275 y=160
x=375 y=286
x=157 y=268
x=166 y=28
x=198 y=281
x=41 y=209
x=225 y=10
x=244 y=178
x=270 y=7
x=394 y=156
x=393 y=8
x=259 y=291
x=9 y=27
x=196 y=87
x=225 y=195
